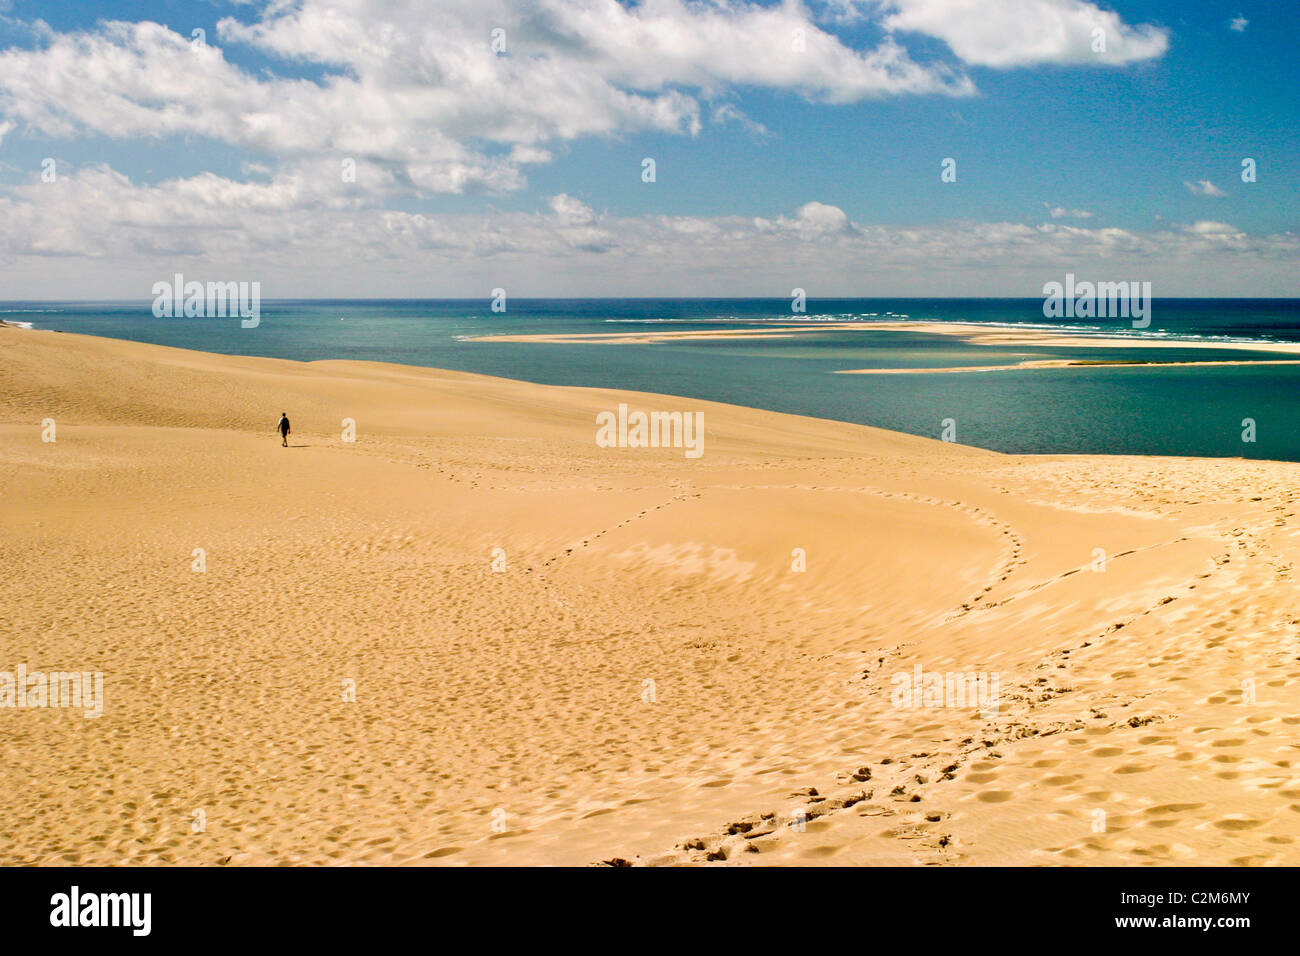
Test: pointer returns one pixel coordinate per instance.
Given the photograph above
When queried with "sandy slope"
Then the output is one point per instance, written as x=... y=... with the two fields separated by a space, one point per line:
x=502 y=717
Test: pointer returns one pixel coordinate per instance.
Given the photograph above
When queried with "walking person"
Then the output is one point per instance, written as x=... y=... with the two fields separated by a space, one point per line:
x=284 y=429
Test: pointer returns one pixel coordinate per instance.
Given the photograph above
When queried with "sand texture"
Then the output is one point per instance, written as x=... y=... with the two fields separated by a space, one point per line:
x=648 y=678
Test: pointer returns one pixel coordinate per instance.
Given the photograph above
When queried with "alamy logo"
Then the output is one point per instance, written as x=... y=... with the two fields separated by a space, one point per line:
x=75 y=908
x=1100 y=300
x=216 y=300
x=651 y=430
x=946 y=689
x=54 y=689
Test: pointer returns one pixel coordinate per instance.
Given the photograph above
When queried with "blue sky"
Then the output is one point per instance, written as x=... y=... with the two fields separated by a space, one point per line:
x=772 y=166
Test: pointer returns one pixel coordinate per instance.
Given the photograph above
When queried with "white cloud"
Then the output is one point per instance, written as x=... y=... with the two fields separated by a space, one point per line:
x=412 y=95
x=571 y=211
x=1058 y=212
x=727 y=113
x=1239 y=24
x=529 y=154
x=1216 y=230
x=300 y=240
x=1011 y=33
x=1205 y=188
x=417 y=85
x=818 y=219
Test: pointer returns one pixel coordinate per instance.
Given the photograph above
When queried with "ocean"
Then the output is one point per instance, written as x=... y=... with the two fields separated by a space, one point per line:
x=1107 y=410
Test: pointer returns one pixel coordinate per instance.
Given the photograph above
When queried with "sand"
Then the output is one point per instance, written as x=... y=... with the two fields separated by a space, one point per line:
x=977 y=334
x=1031 y=365
x=969 y=332
x=654 y=337
x=1148 y=706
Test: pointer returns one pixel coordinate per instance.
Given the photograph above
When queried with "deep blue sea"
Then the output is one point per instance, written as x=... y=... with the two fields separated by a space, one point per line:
x=1146 y=410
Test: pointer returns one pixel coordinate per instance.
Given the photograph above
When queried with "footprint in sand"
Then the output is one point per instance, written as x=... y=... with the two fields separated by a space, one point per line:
x=1237 y=824
x=442 y=851
x=1060 y=780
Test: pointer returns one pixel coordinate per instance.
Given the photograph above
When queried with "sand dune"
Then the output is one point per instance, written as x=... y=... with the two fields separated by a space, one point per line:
x=647 y=677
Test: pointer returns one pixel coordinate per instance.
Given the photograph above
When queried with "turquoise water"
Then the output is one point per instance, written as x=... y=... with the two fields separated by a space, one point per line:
x=1163 y=411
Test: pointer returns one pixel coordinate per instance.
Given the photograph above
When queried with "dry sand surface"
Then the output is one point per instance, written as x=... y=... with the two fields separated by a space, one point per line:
x=1148 y=712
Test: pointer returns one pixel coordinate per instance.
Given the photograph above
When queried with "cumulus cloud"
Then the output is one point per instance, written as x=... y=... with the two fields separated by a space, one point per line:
x=1013 y=33
x=298 y=240
x=457 y=95
x=453 y=95
x=818 y=219
x=1238 y=24
x=1205 y=188
x=357 y=106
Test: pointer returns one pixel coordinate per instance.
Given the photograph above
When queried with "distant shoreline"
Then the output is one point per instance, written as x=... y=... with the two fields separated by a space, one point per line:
x=1004 y=335
x=1058 y=364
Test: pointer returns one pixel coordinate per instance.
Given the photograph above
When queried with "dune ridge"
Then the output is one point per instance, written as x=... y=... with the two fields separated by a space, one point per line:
x=568 y=654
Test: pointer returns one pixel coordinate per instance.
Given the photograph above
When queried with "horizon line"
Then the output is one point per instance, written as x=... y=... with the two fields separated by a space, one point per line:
x=669 y=298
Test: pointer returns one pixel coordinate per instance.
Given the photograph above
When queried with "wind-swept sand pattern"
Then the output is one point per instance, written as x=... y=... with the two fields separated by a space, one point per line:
x=648 y=679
